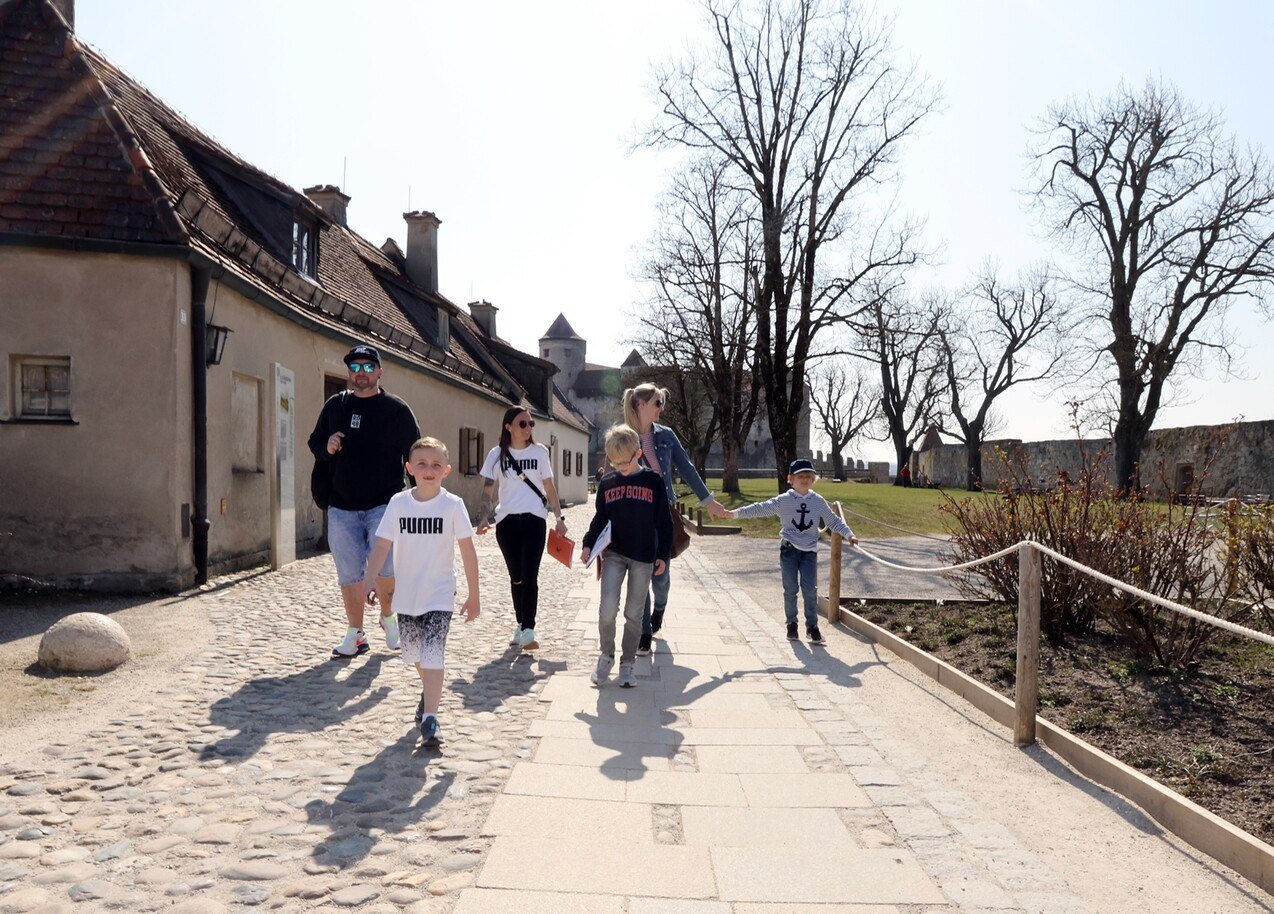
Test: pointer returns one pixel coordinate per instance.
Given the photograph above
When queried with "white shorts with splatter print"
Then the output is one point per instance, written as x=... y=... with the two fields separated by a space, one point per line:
x=424 y=638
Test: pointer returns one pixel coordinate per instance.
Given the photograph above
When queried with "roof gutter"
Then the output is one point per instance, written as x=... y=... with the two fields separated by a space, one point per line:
x=199 y=281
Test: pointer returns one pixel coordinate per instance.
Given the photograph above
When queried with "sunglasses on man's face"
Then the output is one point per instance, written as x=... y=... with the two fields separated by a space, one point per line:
x=368 y=367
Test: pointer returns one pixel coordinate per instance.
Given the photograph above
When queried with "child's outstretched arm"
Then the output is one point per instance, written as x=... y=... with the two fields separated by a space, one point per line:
x=469 y=557
x=375 y=562
x=767 y=508
x=836 y=525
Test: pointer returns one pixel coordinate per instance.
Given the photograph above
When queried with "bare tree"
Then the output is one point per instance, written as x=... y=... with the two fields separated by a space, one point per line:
x=903 y=340
x=1000 y=336
x=804 y=104
x=1174 y=220
x=846 y=403
x=704 y=311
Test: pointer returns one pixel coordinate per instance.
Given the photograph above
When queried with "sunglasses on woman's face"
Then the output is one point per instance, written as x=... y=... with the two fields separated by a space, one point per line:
x=526 y=423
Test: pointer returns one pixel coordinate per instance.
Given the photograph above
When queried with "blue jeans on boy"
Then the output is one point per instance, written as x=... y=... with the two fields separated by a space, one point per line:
x=799 y=567
x=614 y=568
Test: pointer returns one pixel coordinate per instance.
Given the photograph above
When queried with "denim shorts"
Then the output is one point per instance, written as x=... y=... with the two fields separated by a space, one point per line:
x=350 y=536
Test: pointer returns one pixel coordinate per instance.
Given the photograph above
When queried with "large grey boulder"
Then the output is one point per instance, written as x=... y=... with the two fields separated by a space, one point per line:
x=84 y=643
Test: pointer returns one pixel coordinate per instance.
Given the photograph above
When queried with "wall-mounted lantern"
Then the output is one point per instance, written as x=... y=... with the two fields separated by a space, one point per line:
x=216 y=337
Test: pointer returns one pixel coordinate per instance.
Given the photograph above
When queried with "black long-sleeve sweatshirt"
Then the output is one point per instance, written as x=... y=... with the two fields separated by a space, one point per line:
x=368 y=469
x=640 y=520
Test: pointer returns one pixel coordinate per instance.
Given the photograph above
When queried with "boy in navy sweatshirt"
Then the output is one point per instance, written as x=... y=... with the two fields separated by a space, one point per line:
x=634 y=502
x=800 y=509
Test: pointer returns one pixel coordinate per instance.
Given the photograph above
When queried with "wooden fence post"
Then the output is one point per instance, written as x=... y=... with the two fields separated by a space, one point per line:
x=833 y=582
x=833 y=574
x=1028 y=643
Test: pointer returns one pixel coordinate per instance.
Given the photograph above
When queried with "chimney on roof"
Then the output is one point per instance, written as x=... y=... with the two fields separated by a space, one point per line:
x=484 y=315
x=329 y=199
x=422 y=249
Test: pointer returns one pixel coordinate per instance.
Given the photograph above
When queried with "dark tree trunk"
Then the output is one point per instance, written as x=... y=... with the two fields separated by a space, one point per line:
x=973 y=453
x=838 y=465
x=1127 y=444
x=730 y=461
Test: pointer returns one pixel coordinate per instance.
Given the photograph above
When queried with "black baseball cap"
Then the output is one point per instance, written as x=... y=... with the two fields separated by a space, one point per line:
x=362 y=354
x=801 y=465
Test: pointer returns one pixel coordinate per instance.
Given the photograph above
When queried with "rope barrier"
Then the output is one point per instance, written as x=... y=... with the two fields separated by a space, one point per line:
x=1157 y=600
x=940 y=569
x=1232 y=627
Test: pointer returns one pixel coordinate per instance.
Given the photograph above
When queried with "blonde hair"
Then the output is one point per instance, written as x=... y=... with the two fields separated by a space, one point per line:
x=621 y=441
x=642 y=393
x=433 y=443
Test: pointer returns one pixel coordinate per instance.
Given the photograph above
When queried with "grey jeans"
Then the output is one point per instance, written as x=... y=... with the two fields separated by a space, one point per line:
x=614 y=568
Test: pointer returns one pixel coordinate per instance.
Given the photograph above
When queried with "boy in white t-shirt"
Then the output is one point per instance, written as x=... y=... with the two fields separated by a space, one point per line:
x=423 y=525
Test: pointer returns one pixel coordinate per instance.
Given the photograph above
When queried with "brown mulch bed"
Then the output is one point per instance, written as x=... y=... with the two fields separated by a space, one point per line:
x=1207 y=734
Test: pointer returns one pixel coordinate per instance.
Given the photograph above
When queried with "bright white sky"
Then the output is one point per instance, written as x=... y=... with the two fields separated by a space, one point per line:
x=515 y=122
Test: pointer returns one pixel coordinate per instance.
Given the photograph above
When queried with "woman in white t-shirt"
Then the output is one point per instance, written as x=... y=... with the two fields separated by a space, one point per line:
x=524 y=472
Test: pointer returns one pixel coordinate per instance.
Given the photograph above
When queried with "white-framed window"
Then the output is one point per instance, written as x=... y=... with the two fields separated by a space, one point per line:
x=245 y=424
x=304 y=246
x=42 y=387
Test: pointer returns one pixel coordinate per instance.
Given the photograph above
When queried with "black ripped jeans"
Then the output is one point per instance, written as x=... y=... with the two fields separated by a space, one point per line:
x=521 y=539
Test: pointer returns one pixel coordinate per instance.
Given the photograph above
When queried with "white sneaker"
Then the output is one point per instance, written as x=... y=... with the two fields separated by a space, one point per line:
x=602 y=673
x=389 y=625
x=528 y=639
x=627 y=679
x=354 y=643
x=516 y=640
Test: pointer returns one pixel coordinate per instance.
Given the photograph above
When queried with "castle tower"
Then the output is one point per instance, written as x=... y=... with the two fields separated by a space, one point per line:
x=566 y=349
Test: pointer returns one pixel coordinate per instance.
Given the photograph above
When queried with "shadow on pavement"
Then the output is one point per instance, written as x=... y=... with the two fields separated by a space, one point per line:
x=512 y=673
x=381 y=794
x=303 y=702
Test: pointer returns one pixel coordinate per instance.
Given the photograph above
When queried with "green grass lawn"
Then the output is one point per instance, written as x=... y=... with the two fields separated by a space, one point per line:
x=911 y=509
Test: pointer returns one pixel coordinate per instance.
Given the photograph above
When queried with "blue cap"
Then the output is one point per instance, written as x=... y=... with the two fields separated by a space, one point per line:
x=801 y=465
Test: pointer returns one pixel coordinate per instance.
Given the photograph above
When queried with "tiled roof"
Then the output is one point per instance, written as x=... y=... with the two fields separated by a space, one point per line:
x=65 y=166
x=565 y=412
x=88 y=151
x=561 y=329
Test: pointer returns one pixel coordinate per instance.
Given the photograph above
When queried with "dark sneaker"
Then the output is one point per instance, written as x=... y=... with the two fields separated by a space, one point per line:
x=353 y=645
x=429 y=733
x=656 y=620
x=643 y=646
x=815 y=636
x=420 y=710
x=792 y=632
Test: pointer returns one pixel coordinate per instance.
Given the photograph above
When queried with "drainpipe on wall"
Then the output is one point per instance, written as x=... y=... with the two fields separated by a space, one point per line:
x=199 y=276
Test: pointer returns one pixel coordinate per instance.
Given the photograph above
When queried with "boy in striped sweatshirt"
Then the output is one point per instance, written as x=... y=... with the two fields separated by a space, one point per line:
x=799 y=509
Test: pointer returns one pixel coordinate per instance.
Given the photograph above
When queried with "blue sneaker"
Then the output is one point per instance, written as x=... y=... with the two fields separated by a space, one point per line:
x=429 y=732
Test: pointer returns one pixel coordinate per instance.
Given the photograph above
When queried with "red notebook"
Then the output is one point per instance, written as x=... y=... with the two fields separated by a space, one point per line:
x=561 y=548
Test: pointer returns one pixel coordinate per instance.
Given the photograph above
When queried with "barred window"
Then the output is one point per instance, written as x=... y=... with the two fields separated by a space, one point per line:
x=472 y=445
x=566 y=463
x=43 y=388
x=579 y=463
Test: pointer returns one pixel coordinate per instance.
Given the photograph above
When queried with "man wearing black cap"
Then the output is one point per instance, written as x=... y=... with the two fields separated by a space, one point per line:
x=364 y=435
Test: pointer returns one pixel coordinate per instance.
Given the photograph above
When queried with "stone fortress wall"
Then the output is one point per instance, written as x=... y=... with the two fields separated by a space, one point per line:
x=1238 y=459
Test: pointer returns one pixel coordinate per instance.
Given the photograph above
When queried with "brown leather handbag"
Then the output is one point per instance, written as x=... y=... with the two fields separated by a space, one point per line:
x=680 y=534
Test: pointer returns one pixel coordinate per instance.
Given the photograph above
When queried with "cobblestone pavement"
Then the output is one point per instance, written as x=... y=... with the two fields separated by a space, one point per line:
x=744 y=775
x=265 y=774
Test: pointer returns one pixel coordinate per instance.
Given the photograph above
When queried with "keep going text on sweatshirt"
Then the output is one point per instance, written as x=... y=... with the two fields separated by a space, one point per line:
x=640 y=518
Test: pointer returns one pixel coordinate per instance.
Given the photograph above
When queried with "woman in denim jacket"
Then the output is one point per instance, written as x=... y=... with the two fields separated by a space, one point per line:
x=662 y=452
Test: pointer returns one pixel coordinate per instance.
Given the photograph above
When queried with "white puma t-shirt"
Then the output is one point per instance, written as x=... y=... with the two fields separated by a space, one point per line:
x=516 y=496
x=424 y=535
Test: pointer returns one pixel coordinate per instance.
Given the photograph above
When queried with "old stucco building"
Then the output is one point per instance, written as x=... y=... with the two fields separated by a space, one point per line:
x=173 y=318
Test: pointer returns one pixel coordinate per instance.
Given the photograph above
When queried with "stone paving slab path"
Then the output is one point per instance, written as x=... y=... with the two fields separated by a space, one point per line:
x=744 y=774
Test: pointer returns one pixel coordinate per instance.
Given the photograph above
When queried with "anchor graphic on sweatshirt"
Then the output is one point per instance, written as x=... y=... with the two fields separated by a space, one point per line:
x=803 y=524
